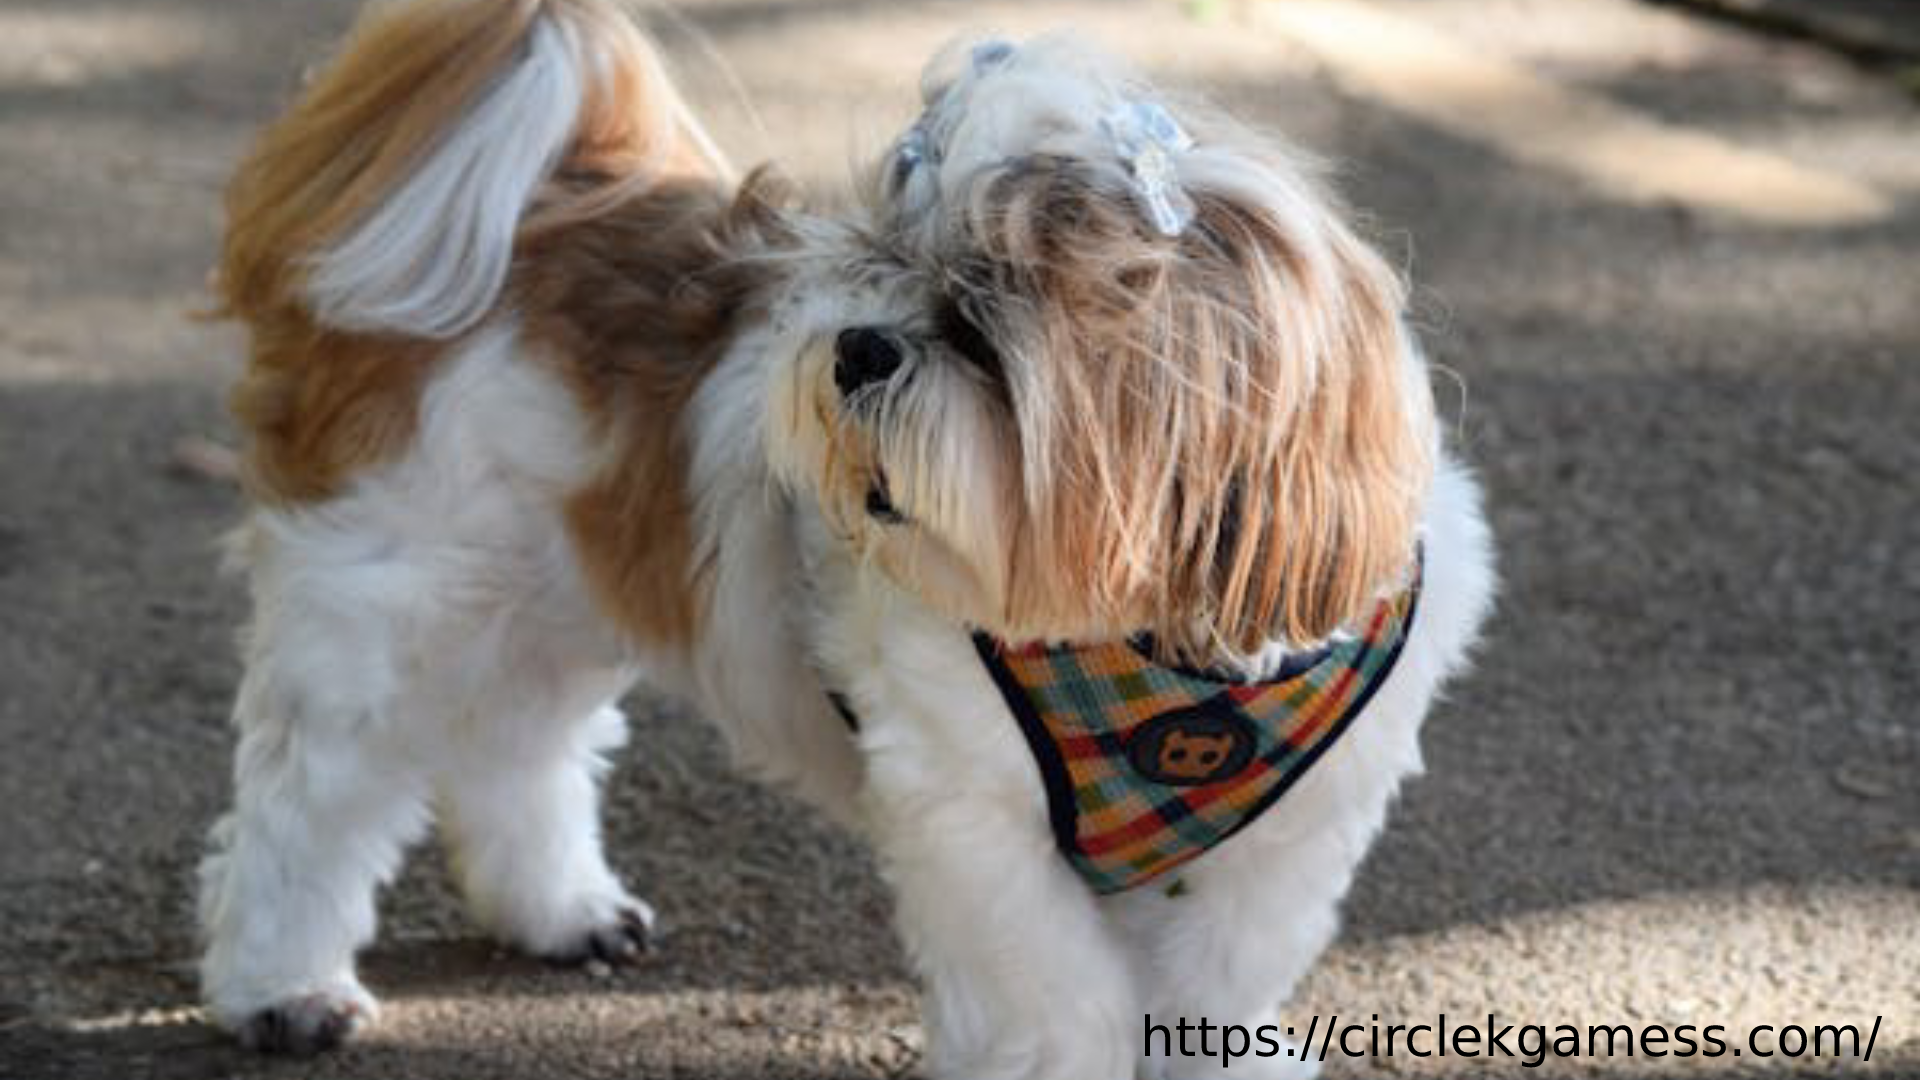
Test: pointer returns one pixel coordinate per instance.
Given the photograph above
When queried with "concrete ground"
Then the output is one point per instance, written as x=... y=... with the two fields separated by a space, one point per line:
x=1672 y=272
x=1883 y=33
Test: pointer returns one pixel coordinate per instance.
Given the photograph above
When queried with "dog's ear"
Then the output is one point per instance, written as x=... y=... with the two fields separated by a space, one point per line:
x=1225 y=436
x=761 y=206
x=1311 y=503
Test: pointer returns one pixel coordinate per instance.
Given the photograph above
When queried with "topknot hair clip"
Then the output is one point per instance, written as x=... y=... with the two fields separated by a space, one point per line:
x=915 y=147
x=991 y=54
x=1147 y=138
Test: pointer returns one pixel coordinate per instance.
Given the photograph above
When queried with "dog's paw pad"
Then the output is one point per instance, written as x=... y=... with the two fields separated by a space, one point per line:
x=303 y=1026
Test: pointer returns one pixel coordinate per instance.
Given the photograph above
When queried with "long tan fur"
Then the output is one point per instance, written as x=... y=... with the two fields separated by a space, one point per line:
x=1246 y=458
x=637 y=305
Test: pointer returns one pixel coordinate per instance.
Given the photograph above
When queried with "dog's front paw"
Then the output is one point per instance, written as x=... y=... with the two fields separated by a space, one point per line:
x=622 y=938
x=306 y=1025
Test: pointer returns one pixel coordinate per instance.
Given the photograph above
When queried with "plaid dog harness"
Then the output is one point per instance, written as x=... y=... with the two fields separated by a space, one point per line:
x=1148 y=766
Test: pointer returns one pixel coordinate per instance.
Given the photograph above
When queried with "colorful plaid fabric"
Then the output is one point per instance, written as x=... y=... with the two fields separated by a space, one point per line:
x=1147 y=766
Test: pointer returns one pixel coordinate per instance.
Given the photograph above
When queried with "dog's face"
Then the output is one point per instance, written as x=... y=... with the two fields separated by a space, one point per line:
x=1072 y=380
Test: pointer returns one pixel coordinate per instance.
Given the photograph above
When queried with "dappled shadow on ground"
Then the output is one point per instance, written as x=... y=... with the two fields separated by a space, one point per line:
x=1693 y=686
x=1697 y=441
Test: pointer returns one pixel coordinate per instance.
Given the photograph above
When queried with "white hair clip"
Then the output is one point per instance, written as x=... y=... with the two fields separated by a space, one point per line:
x=1147 y=137
x=991 y=54
x=915 y=147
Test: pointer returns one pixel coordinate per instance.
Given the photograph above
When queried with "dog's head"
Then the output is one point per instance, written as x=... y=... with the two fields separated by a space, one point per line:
x=1090 y=365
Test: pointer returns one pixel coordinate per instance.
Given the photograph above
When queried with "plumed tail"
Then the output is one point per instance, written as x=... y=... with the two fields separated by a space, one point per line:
x=389 y=198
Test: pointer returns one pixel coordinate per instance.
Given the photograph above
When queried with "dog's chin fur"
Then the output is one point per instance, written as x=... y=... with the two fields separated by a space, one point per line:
x=521 y=433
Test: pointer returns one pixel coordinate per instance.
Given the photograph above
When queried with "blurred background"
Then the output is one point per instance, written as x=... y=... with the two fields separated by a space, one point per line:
x=1666 y=255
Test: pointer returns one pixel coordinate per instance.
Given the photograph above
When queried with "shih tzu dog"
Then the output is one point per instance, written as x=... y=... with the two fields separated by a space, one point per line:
x=1068 y=515
x=1130 y=546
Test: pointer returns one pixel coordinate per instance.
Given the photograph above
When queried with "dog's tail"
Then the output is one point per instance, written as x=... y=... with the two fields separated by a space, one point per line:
x=388 y=199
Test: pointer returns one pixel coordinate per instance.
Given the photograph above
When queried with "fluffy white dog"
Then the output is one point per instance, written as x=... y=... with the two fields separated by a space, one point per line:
x=1069 y=516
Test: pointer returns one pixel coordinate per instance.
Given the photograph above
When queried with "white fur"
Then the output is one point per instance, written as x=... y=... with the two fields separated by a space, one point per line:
x=751 y=671
x=1219 y=951
x=1023 y=977
x=430 y=260
x=422 y=643
x=1027 y=974
x=423 y=649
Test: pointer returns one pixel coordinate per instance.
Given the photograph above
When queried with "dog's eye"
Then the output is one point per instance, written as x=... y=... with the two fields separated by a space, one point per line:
x=880 y=503
x=881 y=509
x=965 y=338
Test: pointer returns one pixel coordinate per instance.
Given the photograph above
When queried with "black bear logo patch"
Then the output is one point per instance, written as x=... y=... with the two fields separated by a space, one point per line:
x=1201 y=745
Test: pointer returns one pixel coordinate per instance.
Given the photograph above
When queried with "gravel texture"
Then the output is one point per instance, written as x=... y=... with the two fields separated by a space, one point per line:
x=1681 y=788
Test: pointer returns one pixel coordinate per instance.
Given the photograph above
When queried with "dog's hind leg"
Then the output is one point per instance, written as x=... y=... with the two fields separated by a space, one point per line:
x=323 y=810
x=521 y=816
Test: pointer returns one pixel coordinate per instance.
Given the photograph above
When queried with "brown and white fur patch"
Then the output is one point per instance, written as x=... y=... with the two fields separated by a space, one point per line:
x=487 y=261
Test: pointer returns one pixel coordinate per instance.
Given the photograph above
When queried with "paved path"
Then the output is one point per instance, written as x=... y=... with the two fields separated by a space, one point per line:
x=1680 y=790
x=1880 y=32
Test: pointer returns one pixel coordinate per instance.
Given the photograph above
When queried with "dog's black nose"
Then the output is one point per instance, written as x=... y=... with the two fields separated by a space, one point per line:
x=864 y=356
